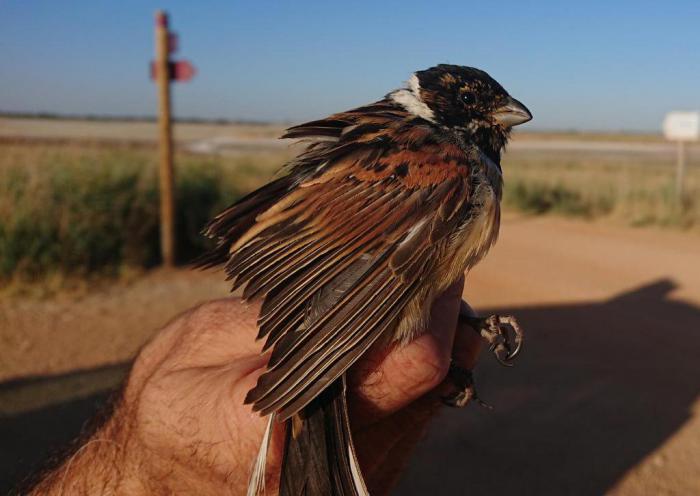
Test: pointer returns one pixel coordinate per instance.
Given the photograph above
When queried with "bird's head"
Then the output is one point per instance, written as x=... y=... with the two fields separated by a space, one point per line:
x=462 y=98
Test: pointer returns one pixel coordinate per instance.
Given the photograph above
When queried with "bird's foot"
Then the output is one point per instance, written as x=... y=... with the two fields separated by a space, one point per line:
x=465 y=390
x=494 y=329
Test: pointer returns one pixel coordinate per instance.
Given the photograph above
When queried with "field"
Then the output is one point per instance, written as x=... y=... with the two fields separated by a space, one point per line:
x=89 y=206
x=81 y=210
x=596 y=257
x=634 y=189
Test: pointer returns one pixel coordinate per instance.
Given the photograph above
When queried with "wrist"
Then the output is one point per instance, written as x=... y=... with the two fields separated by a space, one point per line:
x=106 y=463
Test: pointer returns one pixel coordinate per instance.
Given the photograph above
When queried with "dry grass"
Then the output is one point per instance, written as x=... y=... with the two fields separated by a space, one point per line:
x=84 y=210
x=634 y=188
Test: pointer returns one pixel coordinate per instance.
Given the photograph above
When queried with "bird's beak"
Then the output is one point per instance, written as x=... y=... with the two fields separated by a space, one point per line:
x=512 y=113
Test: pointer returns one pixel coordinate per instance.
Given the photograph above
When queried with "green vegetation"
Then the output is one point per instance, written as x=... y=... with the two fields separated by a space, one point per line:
x=84 y=210
x=635 y=189
x=87 y=210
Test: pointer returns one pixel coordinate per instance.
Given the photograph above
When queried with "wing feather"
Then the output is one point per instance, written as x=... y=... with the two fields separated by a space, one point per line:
x=308 y=356
x=341 y=245
x=355 y=236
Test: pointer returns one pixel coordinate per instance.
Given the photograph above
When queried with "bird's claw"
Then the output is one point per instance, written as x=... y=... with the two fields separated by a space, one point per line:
x=465 y=390
x=505 y=345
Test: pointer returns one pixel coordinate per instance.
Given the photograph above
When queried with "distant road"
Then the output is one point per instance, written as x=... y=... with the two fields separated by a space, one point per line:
x=225 y=144
x=593 y=146
x=124 y=131
x=233 y=138
x=233 y=144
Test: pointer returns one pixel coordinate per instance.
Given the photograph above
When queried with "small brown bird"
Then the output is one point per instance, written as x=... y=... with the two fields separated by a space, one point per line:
x=386 y=207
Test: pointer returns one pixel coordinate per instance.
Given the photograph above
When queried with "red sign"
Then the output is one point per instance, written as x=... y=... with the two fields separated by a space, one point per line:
x=181 y=70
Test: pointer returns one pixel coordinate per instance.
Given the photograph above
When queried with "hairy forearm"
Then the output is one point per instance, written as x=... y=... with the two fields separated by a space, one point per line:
x=105 y=463
x=115 y=460
x=180 y=426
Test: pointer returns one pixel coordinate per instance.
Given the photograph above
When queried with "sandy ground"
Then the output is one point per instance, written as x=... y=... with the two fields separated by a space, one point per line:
x=102 y=327
x=604 y=400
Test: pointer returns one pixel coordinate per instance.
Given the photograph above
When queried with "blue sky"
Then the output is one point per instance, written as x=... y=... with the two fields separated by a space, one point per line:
x=584 y=65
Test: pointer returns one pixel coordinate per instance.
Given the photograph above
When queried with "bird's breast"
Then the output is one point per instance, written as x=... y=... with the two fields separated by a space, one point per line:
x=479 y=230
x=476 y=235
x=469 y=244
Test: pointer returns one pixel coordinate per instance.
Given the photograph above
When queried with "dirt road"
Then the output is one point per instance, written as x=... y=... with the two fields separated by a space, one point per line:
x=604 y=399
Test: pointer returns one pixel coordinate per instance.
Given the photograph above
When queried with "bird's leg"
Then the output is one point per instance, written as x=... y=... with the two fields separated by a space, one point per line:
x=465 y=390
x=494 y=329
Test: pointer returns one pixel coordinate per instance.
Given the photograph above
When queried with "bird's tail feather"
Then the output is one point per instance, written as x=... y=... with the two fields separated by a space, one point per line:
x=319 y=456
x=256 y=483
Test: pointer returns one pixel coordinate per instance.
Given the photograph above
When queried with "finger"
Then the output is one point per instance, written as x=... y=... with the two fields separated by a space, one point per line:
x=389 y=379
x=384 y=447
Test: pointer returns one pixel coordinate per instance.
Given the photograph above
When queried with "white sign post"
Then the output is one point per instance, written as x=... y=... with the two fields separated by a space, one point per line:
x=681 y=127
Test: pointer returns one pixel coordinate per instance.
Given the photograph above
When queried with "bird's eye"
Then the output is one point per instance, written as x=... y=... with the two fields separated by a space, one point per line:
x=468 y=98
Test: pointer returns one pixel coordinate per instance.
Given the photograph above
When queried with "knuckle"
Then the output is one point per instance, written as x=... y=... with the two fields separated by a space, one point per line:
x=222 y=312
x=425 y=366
x=436 y=371
x=209 y=311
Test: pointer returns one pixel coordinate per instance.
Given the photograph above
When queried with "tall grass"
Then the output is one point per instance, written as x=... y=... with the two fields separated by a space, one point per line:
x=82 y=210
x=86 y=210
x=631 y=188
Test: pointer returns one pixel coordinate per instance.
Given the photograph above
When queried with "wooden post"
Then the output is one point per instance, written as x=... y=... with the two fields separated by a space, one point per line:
x=167 y=176
x=680 y=171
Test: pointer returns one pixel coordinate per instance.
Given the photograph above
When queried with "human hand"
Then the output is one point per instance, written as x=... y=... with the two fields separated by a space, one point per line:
x=181 y=426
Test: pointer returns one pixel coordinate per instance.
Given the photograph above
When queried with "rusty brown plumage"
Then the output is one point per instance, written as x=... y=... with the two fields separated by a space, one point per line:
x=388 y=205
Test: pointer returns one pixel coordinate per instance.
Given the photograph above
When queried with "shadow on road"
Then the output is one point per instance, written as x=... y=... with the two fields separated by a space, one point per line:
x=40 y=418
x=599 y=386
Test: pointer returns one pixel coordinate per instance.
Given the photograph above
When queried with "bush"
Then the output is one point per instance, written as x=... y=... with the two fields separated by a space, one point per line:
x=85 y=211
x=633 y=188
x=541 y=198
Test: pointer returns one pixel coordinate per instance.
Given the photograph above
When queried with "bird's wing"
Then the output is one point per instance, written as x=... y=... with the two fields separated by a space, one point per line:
x=367 y=226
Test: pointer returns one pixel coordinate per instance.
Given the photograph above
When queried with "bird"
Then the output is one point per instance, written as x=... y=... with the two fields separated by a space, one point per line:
x=386 y=206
